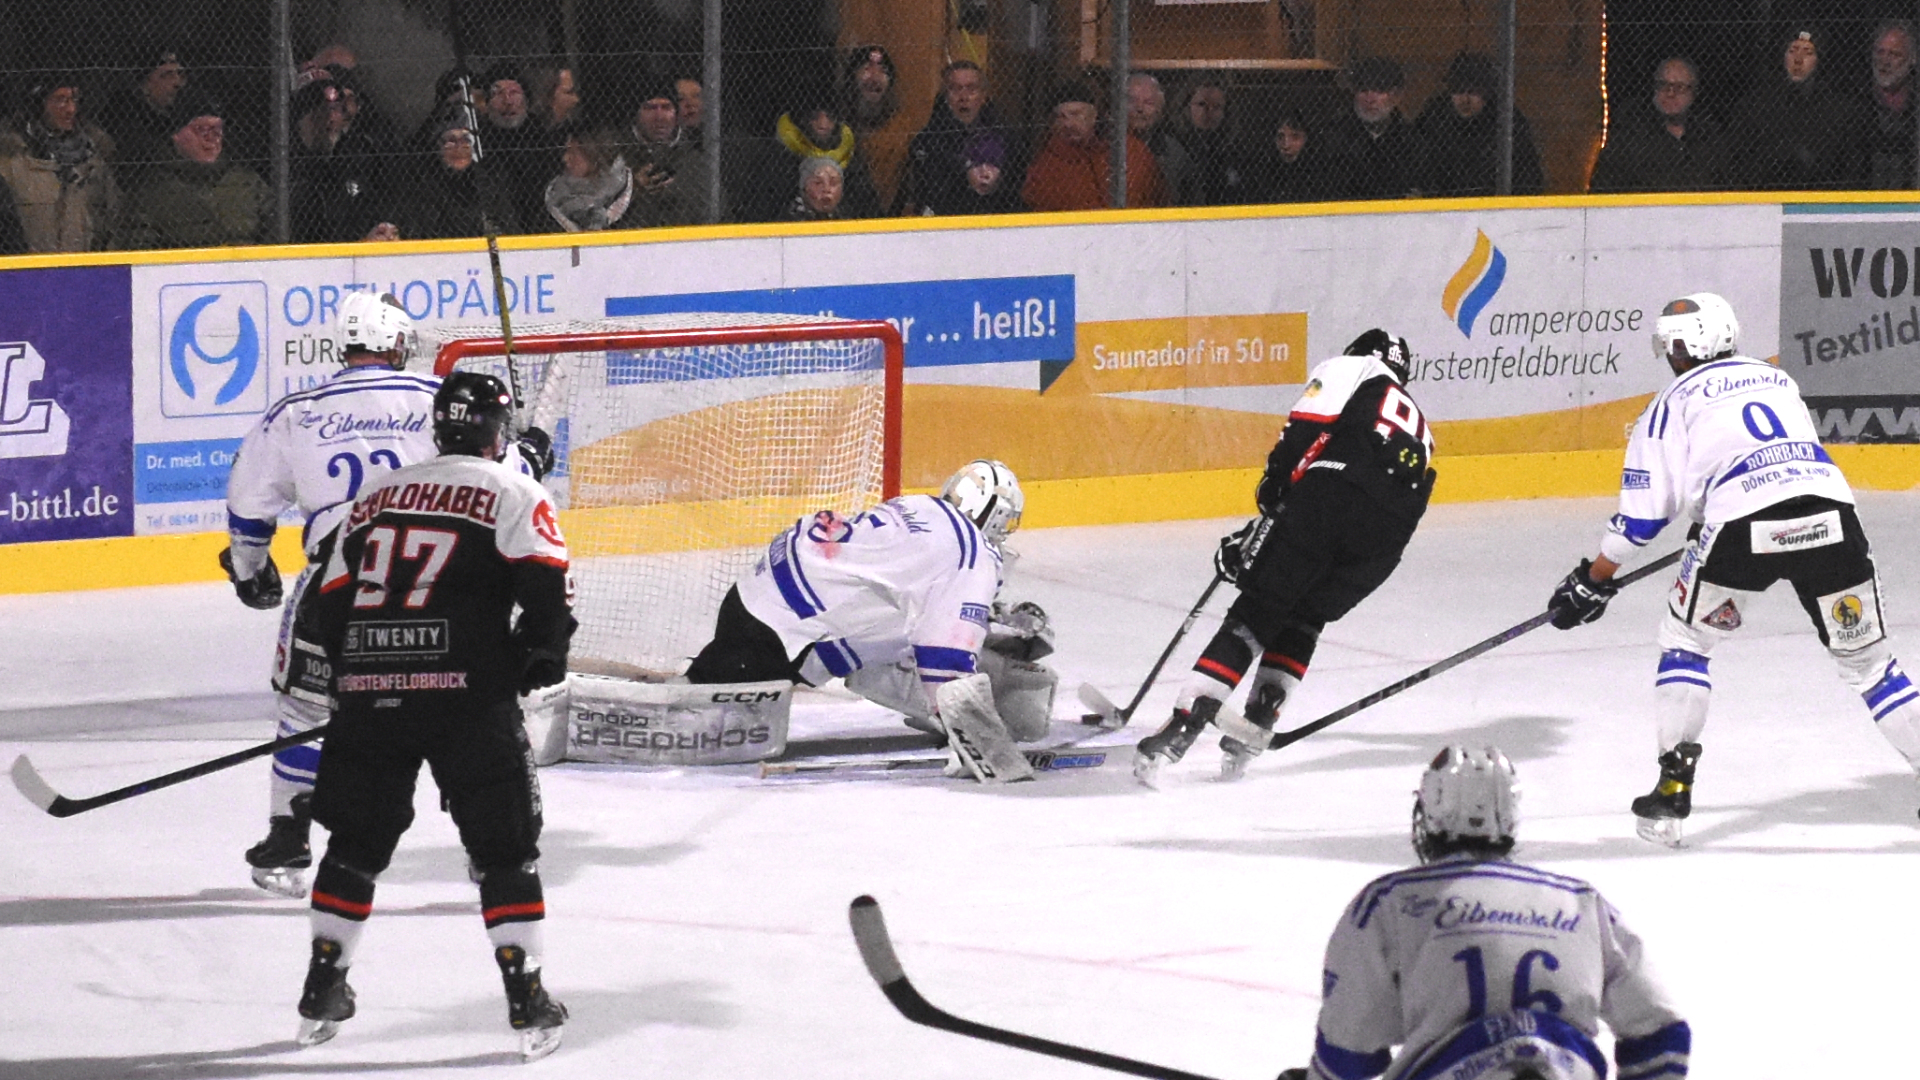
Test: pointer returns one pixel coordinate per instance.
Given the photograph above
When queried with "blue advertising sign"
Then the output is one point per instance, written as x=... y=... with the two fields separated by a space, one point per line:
x=969 y=321
x=66 y=404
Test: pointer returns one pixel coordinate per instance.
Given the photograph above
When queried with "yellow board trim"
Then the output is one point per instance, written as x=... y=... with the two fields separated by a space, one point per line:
x=73 y=565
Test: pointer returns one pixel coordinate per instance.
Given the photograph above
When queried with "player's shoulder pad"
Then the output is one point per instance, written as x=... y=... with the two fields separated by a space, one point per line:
x=1332 y=384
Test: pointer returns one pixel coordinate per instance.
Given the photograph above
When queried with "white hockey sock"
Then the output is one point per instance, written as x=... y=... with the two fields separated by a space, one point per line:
x=345 y=931
x=1681 y=691
x=529 y=937
x=294 y=766
x=1895 y=705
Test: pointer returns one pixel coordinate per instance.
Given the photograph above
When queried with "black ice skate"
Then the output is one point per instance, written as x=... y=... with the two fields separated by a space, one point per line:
x=531 y=1011
x=326 y=1000
x=1172 y=741
x=1263 y=710
x=1661 y=811
x=279 y=861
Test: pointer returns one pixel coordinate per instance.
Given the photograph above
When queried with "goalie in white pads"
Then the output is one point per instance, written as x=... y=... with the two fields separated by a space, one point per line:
x=313 y=451
x=1478 y=966
x=898 y=601
x=1729 y=446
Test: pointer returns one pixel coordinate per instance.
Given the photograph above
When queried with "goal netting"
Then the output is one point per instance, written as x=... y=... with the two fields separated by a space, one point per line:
x=683 y=444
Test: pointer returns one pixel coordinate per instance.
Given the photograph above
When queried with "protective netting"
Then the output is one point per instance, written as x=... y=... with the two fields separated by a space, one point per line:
x=676 y=465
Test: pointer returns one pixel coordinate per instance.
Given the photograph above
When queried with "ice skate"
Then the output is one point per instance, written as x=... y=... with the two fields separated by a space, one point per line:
x=1660 y=812
x=280 y=861
x=1172 y=741
x=1263 y=709
x=532 y=1012
x=326 y=1000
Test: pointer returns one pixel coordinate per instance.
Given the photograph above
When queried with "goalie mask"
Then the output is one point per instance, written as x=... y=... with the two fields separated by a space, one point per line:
x=470 y=414
x=1466 y=803
x=1384 y=347
x=1695 y=329
x=378 y=325
x=989 y=495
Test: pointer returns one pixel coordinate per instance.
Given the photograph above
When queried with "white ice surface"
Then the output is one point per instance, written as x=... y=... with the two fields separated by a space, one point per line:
x=698 y=919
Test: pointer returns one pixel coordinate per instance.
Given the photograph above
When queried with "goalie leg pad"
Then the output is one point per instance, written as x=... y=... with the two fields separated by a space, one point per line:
x=1023 y=694
x=897 y=687
x=977 y=734
x=616 y=721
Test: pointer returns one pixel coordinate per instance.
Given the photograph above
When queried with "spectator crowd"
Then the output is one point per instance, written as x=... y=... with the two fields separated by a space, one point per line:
x=526 y=150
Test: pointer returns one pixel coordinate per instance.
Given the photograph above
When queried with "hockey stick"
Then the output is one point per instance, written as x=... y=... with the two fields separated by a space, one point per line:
x=1041 y=760
x=42 y=795
x=1281 y=739
x=876 y=949
x=1104 y=713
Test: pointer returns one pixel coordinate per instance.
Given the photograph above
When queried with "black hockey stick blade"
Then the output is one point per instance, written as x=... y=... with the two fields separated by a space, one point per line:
x=1288 y=738
x=1108 y=717
x=41 y=794
x=876 y=949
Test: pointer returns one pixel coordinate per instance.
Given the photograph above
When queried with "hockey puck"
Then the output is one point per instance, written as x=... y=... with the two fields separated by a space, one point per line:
x=1093 y=718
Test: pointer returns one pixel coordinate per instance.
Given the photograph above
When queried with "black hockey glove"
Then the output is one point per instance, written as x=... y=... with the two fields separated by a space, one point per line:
x=1580 y=599
x=536 y=447
x=542 y=668
x=262 y=590
x=1229 y=559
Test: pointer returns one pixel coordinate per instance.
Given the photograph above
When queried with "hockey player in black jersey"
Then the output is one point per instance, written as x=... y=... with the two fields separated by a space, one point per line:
x=416 y=612
x=1343 y=490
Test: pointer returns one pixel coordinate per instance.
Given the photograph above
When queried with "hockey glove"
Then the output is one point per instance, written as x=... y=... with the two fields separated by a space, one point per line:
x=536 y=447
x=262 y=590
x=1227 y=558
x=1580 y=599
x=1021 y=632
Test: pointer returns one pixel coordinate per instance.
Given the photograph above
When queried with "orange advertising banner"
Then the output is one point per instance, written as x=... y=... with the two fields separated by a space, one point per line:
x=1170 y=354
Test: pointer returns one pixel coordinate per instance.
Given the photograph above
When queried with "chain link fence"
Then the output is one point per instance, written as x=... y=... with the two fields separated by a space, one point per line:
x=131 y=126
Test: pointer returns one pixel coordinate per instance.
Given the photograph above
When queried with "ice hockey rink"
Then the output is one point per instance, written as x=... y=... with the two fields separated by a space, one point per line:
x=698 y=925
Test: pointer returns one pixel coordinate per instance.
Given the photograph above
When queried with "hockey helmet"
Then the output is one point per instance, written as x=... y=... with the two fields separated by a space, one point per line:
x=376 y=324
x=470 y=414
x=1467 y=802
x=1384 y=347
x=989 y=495
x=1695 y=329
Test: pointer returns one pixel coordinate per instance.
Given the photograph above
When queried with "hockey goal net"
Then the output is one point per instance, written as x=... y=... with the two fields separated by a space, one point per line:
x=683 y=444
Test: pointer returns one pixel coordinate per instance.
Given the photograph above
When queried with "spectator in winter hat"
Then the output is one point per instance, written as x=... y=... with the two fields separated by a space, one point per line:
x=822 y=186
x=140 y=116
x=1795 y=133
x=870 y=102
x=199 y=198
x=1293 y=169
x=671 y=175
x=812 y=128
x=1072 y=169
x=1460 y=129
x=1668 y=147
x=1888 y=134
x=55 y=162
x=1372 y=152
x=1217 y=170
x=454 y=193
x=335 y=194
x=518 y=148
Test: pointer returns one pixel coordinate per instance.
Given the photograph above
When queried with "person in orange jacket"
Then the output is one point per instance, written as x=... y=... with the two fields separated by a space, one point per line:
x=1073 y=168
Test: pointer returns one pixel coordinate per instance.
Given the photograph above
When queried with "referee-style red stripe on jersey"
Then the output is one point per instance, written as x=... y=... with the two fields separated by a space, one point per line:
x=515 y=912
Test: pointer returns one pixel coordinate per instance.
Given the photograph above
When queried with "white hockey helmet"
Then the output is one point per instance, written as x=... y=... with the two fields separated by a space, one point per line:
x=376 y=324
x=1467 y=802
x=989 y=495
x=1694 y=329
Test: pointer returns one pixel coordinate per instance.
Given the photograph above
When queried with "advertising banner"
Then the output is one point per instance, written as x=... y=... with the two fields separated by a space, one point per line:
x=66 y=418
x=1850 y=321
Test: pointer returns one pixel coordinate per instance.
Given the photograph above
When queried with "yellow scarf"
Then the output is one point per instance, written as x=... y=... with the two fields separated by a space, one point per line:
x=796 y=140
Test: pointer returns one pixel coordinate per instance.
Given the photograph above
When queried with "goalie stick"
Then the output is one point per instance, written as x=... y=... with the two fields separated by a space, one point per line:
x=1041 y=760
x=41 y=794
x=876 y=949
x=1281 y=739
x=1104 y=712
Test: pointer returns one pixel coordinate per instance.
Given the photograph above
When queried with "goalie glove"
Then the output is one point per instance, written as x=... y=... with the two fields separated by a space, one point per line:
x=536 y=447
x=261 y=591
x=1020 y=632
x=1579 y=599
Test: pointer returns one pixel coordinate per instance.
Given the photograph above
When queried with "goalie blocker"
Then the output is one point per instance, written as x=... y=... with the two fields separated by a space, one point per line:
x=615 y=721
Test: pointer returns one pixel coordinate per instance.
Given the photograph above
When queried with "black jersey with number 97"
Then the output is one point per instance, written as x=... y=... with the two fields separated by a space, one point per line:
x=1355 y=422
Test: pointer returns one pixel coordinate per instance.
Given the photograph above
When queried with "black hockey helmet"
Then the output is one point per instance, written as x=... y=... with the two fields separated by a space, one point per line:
x=1384 y=347
x=470 y=414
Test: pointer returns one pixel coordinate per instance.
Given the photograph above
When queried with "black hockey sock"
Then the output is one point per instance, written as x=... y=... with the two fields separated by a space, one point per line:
x=513 y=905
x=1291 y=650
x=1226 y=658
x=341 y=901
